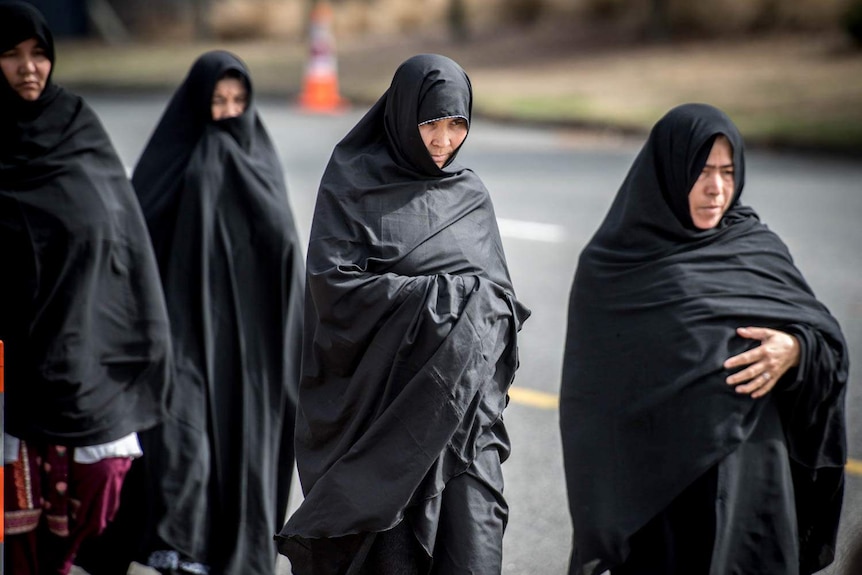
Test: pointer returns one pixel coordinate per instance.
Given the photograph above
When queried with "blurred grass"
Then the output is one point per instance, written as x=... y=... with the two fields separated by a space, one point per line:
x=275 y=66
x=798 y=90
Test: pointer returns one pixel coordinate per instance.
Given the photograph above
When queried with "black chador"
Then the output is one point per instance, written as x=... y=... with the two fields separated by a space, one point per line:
x=82 y=315
x=409 y=349
x=655 y=441
x=214 y=197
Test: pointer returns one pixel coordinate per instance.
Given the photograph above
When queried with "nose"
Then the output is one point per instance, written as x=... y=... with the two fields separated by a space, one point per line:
x=444 y=139
x=234 y=109
x=716 y=184
x=28 y=66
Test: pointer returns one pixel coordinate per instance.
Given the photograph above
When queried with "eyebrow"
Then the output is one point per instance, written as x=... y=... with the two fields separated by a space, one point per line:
x=453 y=116
x=720 y=166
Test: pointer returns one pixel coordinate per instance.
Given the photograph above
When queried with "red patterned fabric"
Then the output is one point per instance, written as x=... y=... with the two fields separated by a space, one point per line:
x=22 y=493
x=53 y=504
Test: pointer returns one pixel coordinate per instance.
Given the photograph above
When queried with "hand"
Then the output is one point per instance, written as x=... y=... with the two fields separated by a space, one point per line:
x=766 y=363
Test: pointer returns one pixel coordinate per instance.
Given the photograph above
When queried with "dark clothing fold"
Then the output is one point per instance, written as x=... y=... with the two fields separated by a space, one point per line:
x=410 y=332
x=83 y=318
x=82 y=315
x=214 y=197
x=653 y=312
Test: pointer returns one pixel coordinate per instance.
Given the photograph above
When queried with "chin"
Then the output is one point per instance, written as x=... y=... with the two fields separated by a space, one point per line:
x=706 y=225
x=30 y=95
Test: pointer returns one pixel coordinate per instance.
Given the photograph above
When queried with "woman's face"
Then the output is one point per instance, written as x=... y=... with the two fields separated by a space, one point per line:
x=230 y=99
x=26 y=68
x=711 y=194
x=443 y=137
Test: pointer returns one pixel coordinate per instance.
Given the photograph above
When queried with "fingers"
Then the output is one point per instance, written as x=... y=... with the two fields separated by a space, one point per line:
x=758 y=353
x=750 y=332
x=748 y=374
x=764 y=365
x=765 y=388
x=755 y=379
x=746 y=358
x=758 y=386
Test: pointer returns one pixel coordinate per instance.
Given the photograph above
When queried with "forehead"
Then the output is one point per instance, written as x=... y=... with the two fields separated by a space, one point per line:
x=721 y=150
x=26 y=45
x=229 y=85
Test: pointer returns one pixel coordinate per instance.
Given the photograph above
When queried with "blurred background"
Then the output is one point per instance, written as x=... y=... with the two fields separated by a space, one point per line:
x=789 y=72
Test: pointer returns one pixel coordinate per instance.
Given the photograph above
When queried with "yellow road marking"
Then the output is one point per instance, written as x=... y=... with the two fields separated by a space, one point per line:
x=533 y=398
x=543 y=400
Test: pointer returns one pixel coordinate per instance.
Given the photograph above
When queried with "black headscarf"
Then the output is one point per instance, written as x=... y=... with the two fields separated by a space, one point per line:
x=21 y=21
x=410 y=326
x=81 y=310
x=652 y=317
x=215 y=200
x=159 y=176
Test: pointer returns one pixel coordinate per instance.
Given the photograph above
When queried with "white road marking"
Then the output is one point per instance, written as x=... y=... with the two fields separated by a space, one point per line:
x=535 y=231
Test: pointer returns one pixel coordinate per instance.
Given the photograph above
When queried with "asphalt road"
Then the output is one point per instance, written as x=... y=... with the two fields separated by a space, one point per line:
x=551 y=188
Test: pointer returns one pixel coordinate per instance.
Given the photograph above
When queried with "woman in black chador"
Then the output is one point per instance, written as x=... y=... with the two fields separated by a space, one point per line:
x=82 y=317
x=409 y=347
x=212 y=190
x=702 y=402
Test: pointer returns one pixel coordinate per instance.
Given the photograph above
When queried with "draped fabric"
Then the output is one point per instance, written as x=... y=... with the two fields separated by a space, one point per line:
x=653 y=310
x=82 y=315
x=215 y=201
x=410 y=340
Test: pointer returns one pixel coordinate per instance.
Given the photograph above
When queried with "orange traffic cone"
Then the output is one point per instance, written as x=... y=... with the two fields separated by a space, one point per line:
x=320 y=85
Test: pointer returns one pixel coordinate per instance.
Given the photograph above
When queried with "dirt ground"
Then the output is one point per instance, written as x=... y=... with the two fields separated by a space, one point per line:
x=798 y=90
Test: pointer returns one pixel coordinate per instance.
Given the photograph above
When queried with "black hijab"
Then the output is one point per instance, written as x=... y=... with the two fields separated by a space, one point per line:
x=215 y=200
x=21 y=21
x=428 y=88
x=410 y=326
x=159 y=174
x=652 y=317
x=83 y=317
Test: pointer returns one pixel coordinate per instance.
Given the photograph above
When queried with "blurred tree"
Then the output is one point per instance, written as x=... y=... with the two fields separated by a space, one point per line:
x=523 y=12
x=659 y=22
x=66 y=17
x=853 y=25
x=107 y=23
x=200 y=14
x=458 y=21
